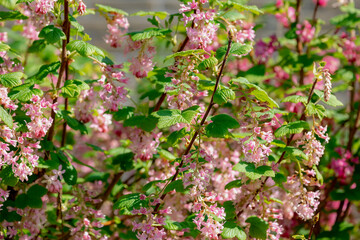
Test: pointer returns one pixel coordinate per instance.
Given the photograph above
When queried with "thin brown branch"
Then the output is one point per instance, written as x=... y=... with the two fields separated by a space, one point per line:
x=211 y=104
x=107 y=193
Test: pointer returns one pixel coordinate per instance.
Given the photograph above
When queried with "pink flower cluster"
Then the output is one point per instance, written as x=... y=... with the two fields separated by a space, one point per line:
x=342 y=166
x=286 y=16
x=306 y=31
x=81 y=7
x=117 y=27
x=255 y=151
x=312 y=147
x=245 y=33
x=143 y=63
x=203 y=29
x=263 y=50
x=43 y=6
x=53 y=184
x=144 y=144
x=351 y=51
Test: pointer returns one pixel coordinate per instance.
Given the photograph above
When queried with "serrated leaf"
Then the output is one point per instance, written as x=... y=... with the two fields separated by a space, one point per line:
x=125 y=160
x=85 y=49
x=160 y=14
x=127 y=201
x=333 y=101
x=171 y=117
x=109 y=9
x=124 y=113
x=70 y=90
x=220 y=126
x=6 y=117
x=295 y=99
x=24 y=92
x=174 y=137
x=223 y=95
x=7 y=176
x=258 y=227
x=233 y=184
x=52 y=34
x=11 y=80
x=312 y=109
x=177 y=185
x=146 y=123
x=208 y=63
x=171 y=225
x=11 y=15
x=240 y=7
x=257 y=92
x=148 y=33
x=291 y=128
x=295 y=152
x=45 y=70
x=253 y=172
x=185 y=53
x=37 y=46
x=4 y=47
x=232 y=230
x=236 y=48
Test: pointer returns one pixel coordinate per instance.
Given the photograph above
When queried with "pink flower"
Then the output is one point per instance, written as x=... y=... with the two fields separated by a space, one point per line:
x=305 y=31
x=81 y=8
x=321 y=3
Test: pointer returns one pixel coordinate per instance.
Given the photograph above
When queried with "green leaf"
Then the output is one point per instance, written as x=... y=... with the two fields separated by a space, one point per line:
x=6 y=117
x=279 y=179
x=146 y=123
x=161 y=15
x=240 y=7
x=333 y=101
x=24 y=92
x=185 y=54
x=85 y=49
x=291 y=128
x=257 y=92
x=37 y=190
x=7 y=176
x=295 y=99
x=148 y=33
x=258 y=227
x=294 y=152
x=45 y=70
x=177 y=185
x=70 y=175
x=13 y=15
x=236 y=48
x=4 y=47
x=124 y=113
x=52 y=34
x=37 y=46
x=11 y=80
x=220 y=126
x=74 y=159
x=208 y=63
x=70 y=90
x=233 y=184
x=223 y=95
x=170 y=117
x=232 y=230
x=109 y=9
x=253 y=172
x=21 y=201
x=73 y=123
x=174 y=137
x=171 y=225
x=125 y=160
x=127 y=201
x=312 y=109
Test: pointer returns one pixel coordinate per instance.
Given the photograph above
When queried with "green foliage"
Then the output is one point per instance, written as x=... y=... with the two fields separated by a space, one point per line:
x=7 y=176
x=223 y=95
x=6 y=117
x=315 y=109
x=11 y=80
x=236 y=49
x=161 y=14
x=257 y=92
x=148 y=33
x=32 y=198
x=253 y=172
x=176 y=185
x=220 y=125
x=185 y=53
x=125 y=160
x=208 y=63
x=52 y=34
x=128 y=201
x=24 y=92
x=175 y=136
x=85 y=49
x=232 y=230
x=108 y=9
x=146 y=123
x=295 y=99
x=291 y=128
x=170 y=117
x=11 y=15
x=241 y=7
x=233 y=184
x=258 y=227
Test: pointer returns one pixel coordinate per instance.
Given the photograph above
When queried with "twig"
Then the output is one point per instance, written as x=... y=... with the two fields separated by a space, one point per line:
x=211 y=104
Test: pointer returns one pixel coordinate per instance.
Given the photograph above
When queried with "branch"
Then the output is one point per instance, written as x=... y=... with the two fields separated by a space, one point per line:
x=211 y=104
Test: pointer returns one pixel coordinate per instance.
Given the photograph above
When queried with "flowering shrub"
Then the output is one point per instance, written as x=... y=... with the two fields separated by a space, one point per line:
x=228 y=136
